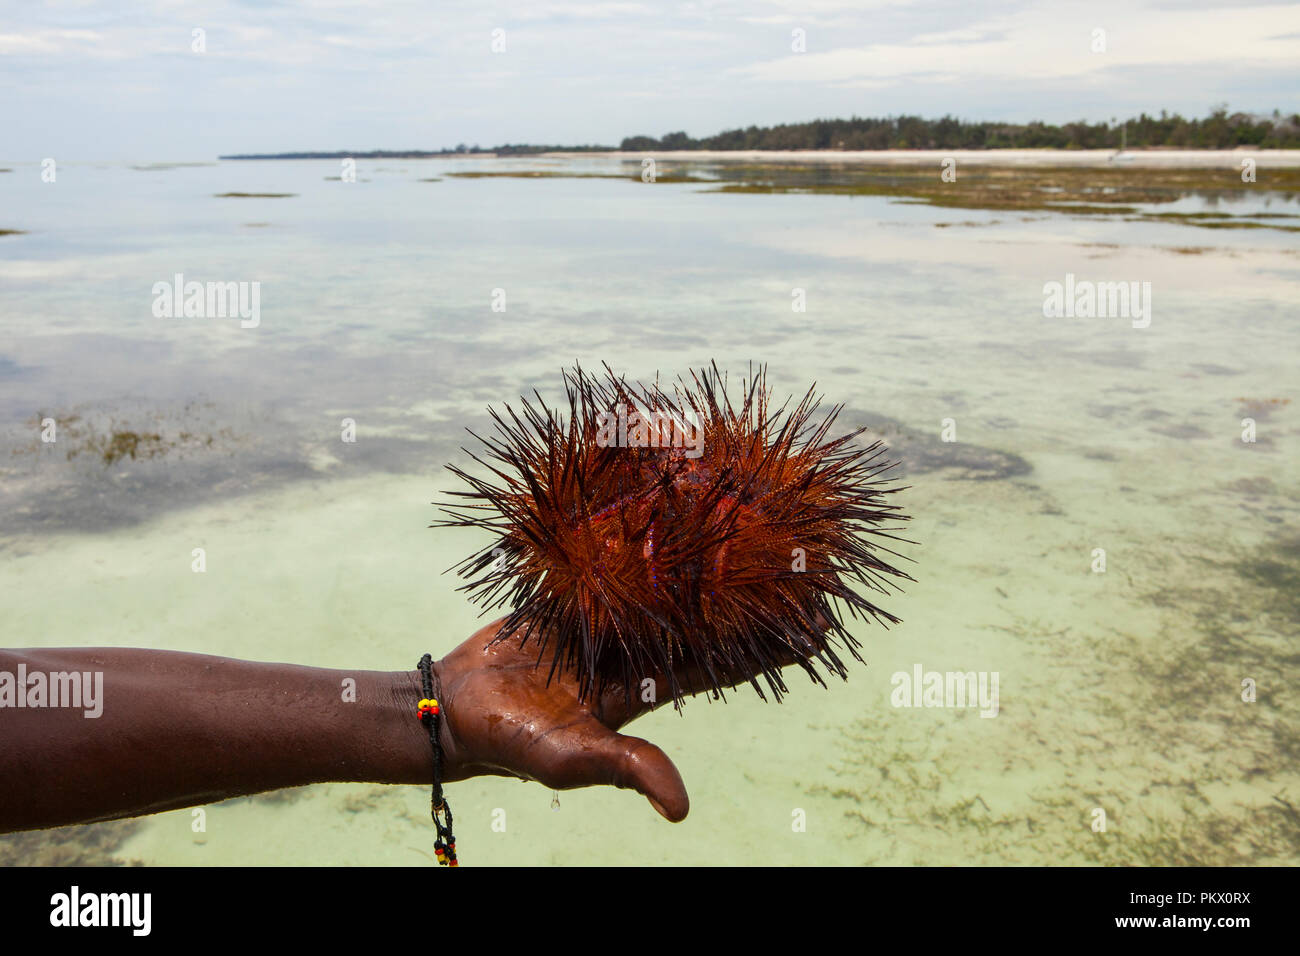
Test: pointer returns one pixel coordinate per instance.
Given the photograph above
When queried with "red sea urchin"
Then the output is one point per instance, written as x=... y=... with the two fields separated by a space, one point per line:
x=664 y=535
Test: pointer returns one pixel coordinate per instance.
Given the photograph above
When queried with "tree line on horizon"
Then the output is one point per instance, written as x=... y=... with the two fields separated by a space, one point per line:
x=1219 y=130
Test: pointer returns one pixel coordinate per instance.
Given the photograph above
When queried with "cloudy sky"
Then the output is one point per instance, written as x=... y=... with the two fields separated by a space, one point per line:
x=121 y=80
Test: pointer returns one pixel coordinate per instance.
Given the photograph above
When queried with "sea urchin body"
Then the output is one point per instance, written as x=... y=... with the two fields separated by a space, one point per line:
x=670 y=536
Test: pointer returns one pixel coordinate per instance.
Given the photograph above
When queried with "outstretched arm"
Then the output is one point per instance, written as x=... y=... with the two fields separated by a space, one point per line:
x=179 y=730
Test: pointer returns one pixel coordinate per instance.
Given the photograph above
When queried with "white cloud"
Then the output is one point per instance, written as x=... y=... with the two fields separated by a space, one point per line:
x=1055 y=42
x=48 y=42
x=92 y=79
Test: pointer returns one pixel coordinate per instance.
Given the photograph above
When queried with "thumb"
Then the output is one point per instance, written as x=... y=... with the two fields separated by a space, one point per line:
x=603 y=756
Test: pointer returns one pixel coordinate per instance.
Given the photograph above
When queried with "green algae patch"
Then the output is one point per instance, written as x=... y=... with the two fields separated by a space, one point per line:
x=532 y=174
x=1119 y=191
x=1176 y=728
x=1216 y=224
x=1275 y=572
x=123 y=444
x=673 y=177
x=97 y=844
x=115 y=442
x=1072 y=190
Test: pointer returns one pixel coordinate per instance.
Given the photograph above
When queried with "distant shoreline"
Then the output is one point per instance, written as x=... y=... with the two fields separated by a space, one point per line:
x=373 y=154
x=1139 y=158
x=1147 y=158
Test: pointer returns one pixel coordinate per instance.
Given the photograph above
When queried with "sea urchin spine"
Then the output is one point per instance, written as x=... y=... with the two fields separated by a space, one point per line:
x=674 y=537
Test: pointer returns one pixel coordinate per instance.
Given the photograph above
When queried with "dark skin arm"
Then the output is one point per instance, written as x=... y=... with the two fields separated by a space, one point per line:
x=180 y=730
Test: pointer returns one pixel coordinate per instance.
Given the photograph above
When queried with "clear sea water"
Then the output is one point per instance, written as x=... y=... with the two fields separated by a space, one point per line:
x=1120 y=691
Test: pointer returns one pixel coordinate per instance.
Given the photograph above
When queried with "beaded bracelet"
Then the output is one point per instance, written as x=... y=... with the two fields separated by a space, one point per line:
x=430 y=714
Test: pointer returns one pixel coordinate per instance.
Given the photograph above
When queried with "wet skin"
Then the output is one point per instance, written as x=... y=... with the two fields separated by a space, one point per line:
x=180 y=730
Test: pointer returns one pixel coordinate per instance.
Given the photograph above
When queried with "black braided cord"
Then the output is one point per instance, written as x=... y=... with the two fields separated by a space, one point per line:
x=445 y=845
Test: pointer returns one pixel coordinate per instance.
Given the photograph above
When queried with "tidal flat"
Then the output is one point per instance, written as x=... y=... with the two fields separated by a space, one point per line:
x=1120 y=190
x=1121 y=681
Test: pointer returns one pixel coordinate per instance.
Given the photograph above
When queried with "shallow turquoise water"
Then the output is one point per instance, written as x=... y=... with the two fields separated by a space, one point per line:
x=1118 y=690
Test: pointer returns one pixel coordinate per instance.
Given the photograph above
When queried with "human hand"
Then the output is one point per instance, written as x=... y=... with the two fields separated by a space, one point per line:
x=502 y=717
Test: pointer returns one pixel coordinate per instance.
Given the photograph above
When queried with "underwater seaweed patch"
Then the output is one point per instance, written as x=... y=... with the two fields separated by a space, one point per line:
x=95 y=844
x=1184 y=733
